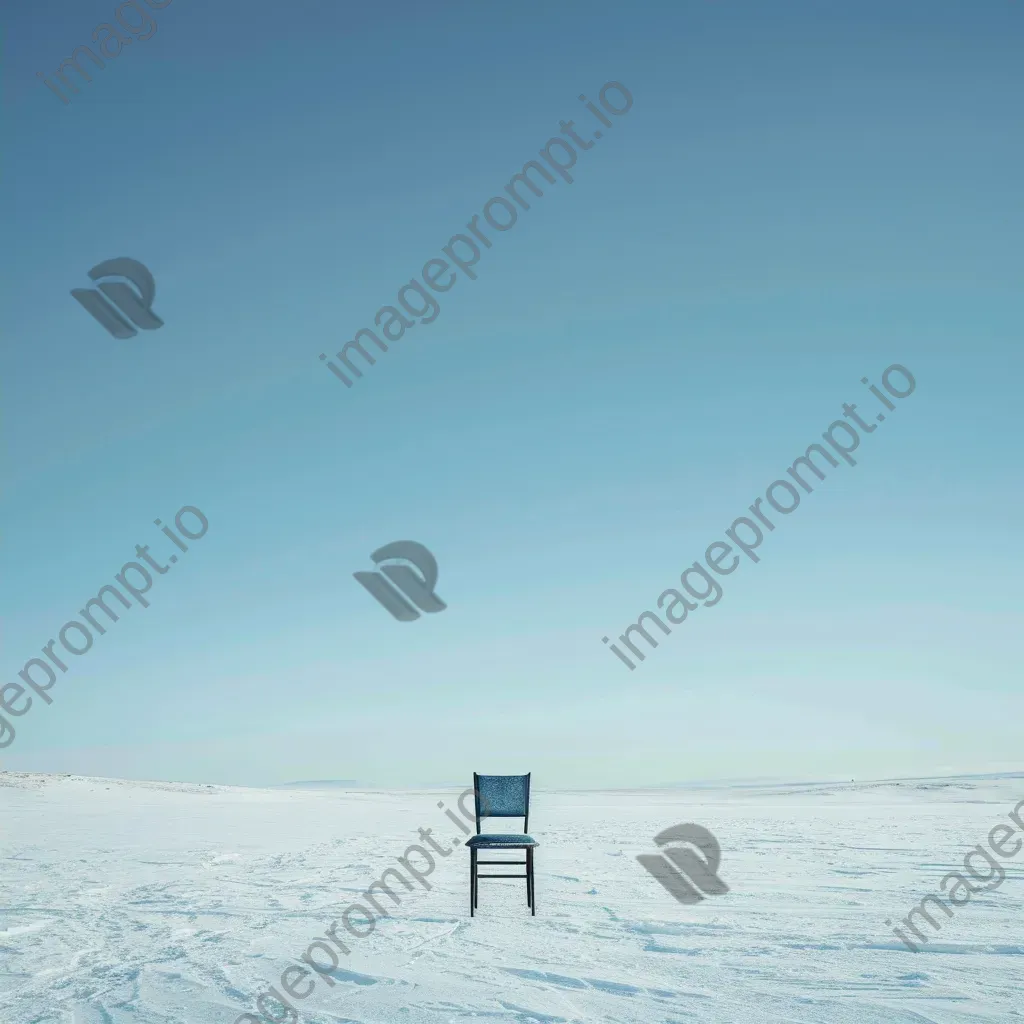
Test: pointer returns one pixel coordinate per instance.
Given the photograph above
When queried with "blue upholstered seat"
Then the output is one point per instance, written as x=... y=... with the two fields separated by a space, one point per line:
x=519 y=840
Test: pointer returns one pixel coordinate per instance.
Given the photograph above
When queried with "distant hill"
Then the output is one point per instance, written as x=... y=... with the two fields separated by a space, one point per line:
x=318 y=784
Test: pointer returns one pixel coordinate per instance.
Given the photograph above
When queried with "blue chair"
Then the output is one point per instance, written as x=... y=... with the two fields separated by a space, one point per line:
x=501 y=796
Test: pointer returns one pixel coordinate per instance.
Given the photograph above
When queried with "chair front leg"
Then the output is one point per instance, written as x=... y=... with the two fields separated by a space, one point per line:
x=530 y=882
x=472 y=881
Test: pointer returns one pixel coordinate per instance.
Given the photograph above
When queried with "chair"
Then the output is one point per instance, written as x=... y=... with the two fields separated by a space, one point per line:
x=501 y=796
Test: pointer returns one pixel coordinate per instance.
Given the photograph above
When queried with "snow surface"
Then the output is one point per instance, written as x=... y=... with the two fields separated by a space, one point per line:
x=157 y=902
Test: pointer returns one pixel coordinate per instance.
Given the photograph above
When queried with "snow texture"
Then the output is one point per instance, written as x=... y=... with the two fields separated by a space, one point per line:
x=160 y=903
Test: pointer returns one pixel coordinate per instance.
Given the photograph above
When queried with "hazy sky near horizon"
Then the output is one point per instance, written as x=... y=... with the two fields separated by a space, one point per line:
x=800 y=196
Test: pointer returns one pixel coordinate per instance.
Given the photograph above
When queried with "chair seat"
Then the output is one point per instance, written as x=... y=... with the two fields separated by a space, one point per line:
x=507 y=841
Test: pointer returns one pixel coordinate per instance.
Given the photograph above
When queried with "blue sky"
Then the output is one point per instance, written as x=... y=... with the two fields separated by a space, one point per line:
x=799 y=197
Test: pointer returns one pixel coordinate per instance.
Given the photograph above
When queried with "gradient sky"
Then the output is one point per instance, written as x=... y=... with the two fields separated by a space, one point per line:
x=801 y=195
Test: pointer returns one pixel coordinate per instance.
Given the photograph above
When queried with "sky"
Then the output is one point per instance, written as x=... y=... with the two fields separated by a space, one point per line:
x=799 y=197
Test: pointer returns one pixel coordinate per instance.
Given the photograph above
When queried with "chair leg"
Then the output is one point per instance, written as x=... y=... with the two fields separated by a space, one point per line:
x=472 y=882
x=531 y=887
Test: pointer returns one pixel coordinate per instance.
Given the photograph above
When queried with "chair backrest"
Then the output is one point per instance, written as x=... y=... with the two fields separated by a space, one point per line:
x=502 y=796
